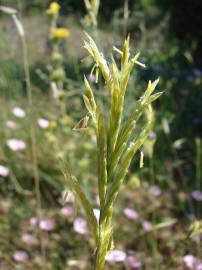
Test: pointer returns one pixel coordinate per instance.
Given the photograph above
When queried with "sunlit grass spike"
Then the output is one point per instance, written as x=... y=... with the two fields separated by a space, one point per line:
x=115 y=143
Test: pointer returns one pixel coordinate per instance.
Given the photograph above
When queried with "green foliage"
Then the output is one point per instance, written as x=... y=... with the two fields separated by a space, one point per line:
x=75 y=187
x=11 y=79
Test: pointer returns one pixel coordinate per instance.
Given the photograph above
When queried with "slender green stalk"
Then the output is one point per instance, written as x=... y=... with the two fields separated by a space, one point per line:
x=183 y=178
x=32 y=133
x=125 y=15
x=153 y=235
x=198 y=162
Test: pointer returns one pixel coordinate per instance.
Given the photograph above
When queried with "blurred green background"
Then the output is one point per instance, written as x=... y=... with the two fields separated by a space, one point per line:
x=169 y=35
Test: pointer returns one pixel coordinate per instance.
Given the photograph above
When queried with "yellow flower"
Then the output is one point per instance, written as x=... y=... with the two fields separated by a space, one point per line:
x=53 y=8
x=59 y=33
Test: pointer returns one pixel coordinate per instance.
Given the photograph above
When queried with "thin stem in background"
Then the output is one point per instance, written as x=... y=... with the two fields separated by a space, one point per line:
x=154 y=242
x=182 y=177
x=33 y=139
x=198 y=163
x=198 y=147
x=125 y=16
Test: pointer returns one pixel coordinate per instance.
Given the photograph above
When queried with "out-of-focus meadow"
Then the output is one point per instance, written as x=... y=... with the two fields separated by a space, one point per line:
x=158 y=212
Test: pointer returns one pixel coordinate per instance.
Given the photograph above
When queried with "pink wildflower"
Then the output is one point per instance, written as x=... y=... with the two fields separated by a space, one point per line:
x=197 y=195
x=4 y=171
x=18 y=112
x=46 y=225
x=133 y=263
x=80 y=226
x=16 y=145
x=130 y=213
x=20 y=256
x=192 y=262
x=115 y=256
x=67 y=211
x=155 y=190
x=43 y=123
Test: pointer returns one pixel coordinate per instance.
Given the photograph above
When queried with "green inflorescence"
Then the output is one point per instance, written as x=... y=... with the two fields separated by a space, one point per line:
x=115 y=145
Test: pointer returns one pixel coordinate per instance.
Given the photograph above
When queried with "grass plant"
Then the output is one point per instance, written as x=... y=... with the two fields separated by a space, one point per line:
x=115 y=144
